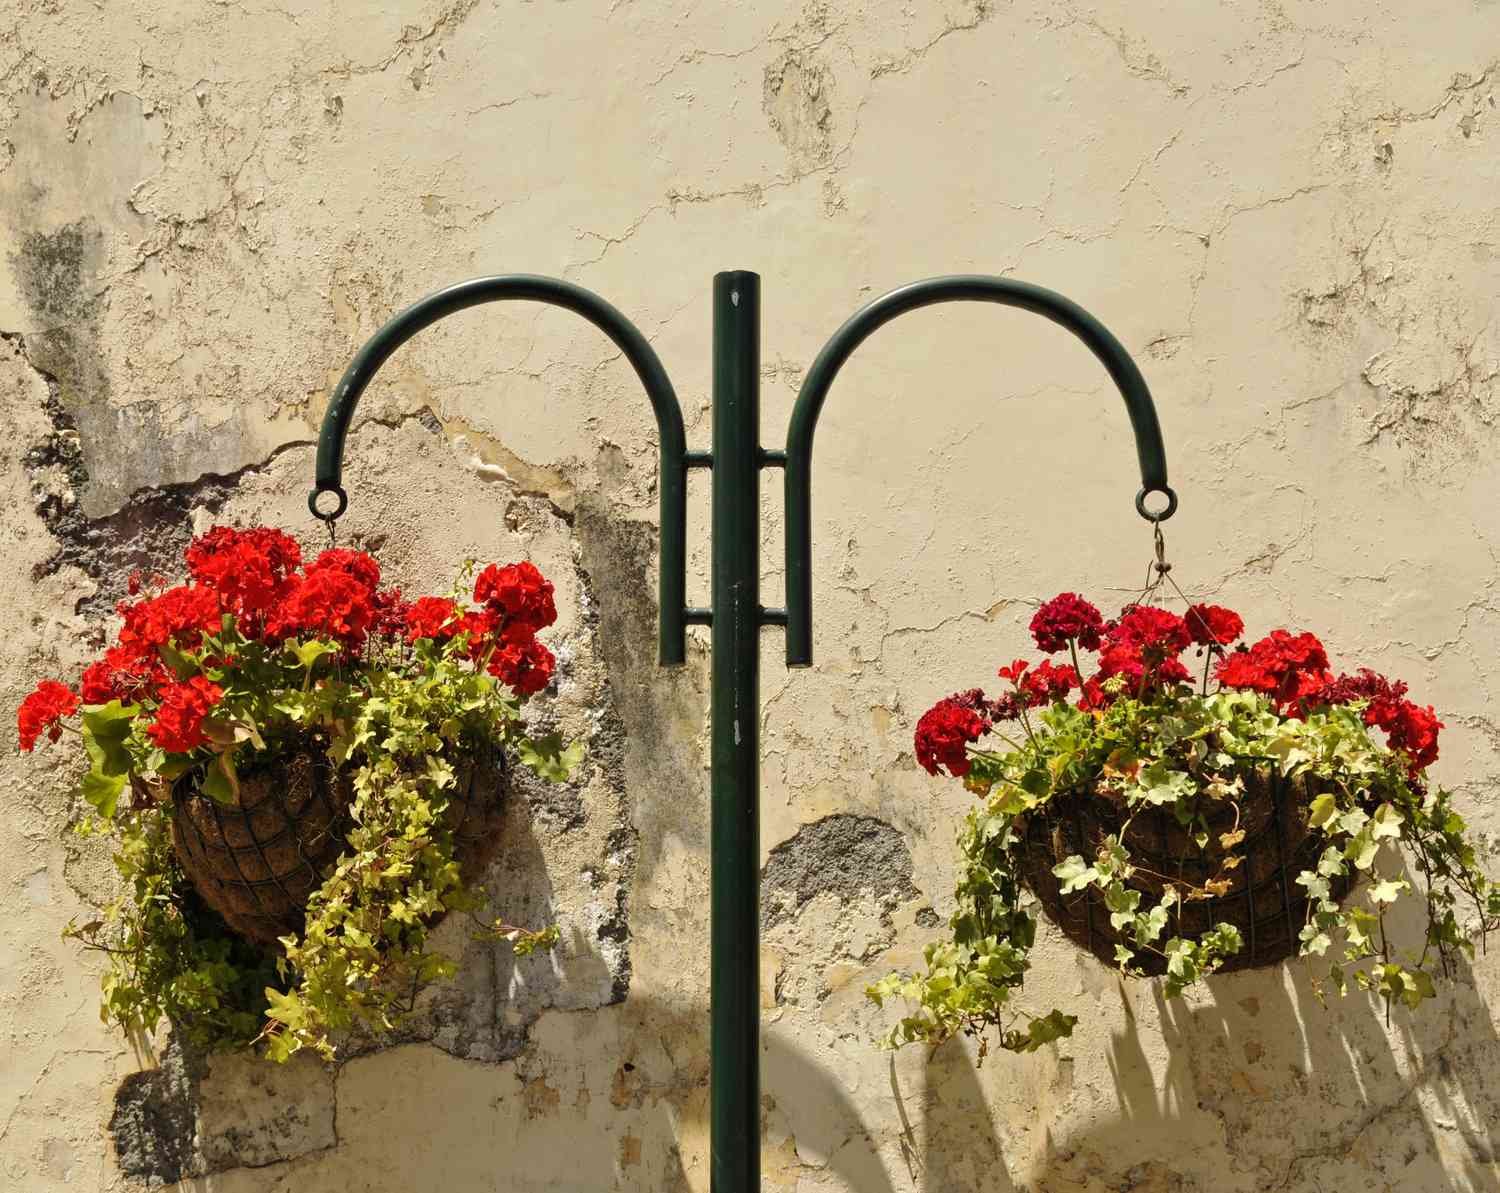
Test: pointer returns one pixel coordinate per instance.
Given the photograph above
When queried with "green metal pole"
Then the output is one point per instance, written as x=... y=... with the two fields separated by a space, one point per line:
x=736 y=614
x=734 y=1138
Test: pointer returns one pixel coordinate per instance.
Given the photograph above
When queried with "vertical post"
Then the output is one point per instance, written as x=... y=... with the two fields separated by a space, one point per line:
x=735 y=914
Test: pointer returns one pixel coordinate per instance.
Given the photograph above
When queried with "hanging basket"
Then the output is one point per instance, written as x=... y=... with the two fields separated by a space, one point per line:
x=1263 y=899
x=257 y=862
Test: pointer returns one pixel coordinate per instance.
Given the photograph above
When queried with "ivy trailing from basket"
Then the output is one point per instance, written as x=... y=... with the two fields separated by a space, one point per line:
x=257 y=659
x=1191 y=750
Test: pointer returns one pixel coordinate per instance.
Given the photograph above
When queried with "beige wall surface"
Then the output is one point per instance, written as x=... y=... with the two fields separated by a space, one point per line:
x=1286 y=210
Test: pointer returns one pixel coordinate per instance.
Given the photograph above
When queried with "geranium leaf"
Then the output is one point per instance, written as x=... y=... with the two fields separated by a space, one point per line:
x=102 y=792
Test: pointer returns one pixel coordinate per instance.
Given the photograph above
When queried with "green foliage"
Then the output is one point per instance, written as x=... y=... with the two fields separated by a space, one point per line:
x=169 y=956
x=1191 y=754
x=400 y=725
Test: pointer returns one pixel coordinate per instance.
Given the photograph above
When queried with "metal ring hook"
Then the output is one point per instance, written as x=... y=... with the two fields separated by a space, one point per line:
x=329 y=516
x=1171 y=506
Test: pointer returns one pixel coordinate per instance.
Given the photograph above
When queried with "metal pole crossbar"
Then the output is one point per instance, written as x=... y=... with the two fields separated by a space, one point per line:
x=736 y=614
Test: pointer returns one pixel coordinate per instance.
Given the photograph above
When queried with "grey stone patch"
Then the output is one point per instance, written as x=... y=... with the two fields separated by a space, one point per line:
x=620 y=613
x=193 y=1116
x=927 y=918
x=557 y=807
x=252 y=1113
x=148 y=530
x=155 y=1121
x=146 y=536
x=843 y=855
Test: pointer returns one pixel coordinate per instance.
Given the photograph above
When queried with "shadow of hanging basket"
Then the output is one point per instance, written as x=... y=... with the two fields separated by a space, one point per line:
x=1261 y=899
x=258 y=861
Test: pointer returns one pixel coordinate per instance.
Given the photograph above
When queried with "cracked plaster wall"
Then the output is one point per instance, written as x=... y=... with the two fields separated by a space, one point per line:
x=1286 y=212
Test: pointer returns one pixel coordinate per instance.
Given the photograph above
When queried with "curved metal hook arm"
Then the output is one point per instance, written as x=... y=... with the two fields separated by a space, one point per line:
x=626 y=336
x=799 y=440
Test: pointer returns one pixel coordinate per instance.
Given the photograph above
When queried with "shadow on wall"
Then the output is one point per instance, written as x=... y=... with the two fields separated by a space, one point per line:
x=1261 y=1088
x=416 y=1116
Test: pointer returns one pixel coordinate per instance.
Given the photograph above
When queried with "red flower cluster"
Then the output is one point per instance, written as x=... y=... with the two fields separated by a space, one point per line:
x=522 y=664
x=1214 y=625
x=1284 y=666
x=324 y=602
x=1044 y=684
x=943 y=735
x=517 y=602
x=359 y=566
x=1407 y=725
x=431 y=617
x=123 y=674
x=247 y=568
x=1066 y=618
x=180 y=616
x=178 y=727
x=1150 y=631
x=43 y=711
x=253 y=581
x=1142 y=648
x=519 y=594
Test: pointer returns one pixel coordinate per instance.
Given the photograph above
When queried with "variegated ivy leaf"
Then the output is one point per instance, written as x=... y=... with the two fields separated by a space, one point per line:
x=1149 y=926
x=1362 y=849
x=1122 y=902
x=1074 y=874
x=1332 y=862
x=1353 y=820
x=1157 y=785
x=1321 y=811
x=1387 y=890
x=1314 y=941
x=1387 y=823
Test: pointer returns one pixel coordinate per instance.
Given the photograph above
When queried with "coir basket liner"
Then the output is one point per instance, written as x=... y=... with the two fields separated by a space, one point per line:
x=1263 y=899
x=257 y=862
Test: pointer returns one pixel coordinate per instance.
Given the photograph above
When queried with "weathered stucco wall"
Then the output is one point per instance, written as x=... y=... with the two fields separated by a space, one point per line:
x=1285 y=210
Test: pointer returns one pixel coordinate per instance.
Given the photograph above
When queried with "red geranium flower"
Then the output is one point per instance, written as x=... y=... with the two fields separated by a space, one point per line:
x=1129 y=662
x=1214 y=625
x=324 y=602
x=520 y=593
x=1414 y=730
x=360 y=565
x=179 y=616
x=247 y=568
x=1283 y=665
x=1048 y=683
x=1066 y=617
x=481 y=626
x=1407 y=726
x=123 y=674
x=178 y=727
x=1363 y=685
x=523 y=665
x=1092 y=697
x=43 y=711
x=431 y=617
x=1157 y=633
x=388 y=613
x=943 y=732
x=1013 y=671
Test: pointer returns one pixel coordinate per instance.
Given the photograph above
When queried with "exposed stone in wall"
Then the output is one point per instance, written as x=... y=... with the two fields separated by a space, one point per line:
x=844 y=856
x=154 y=1124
